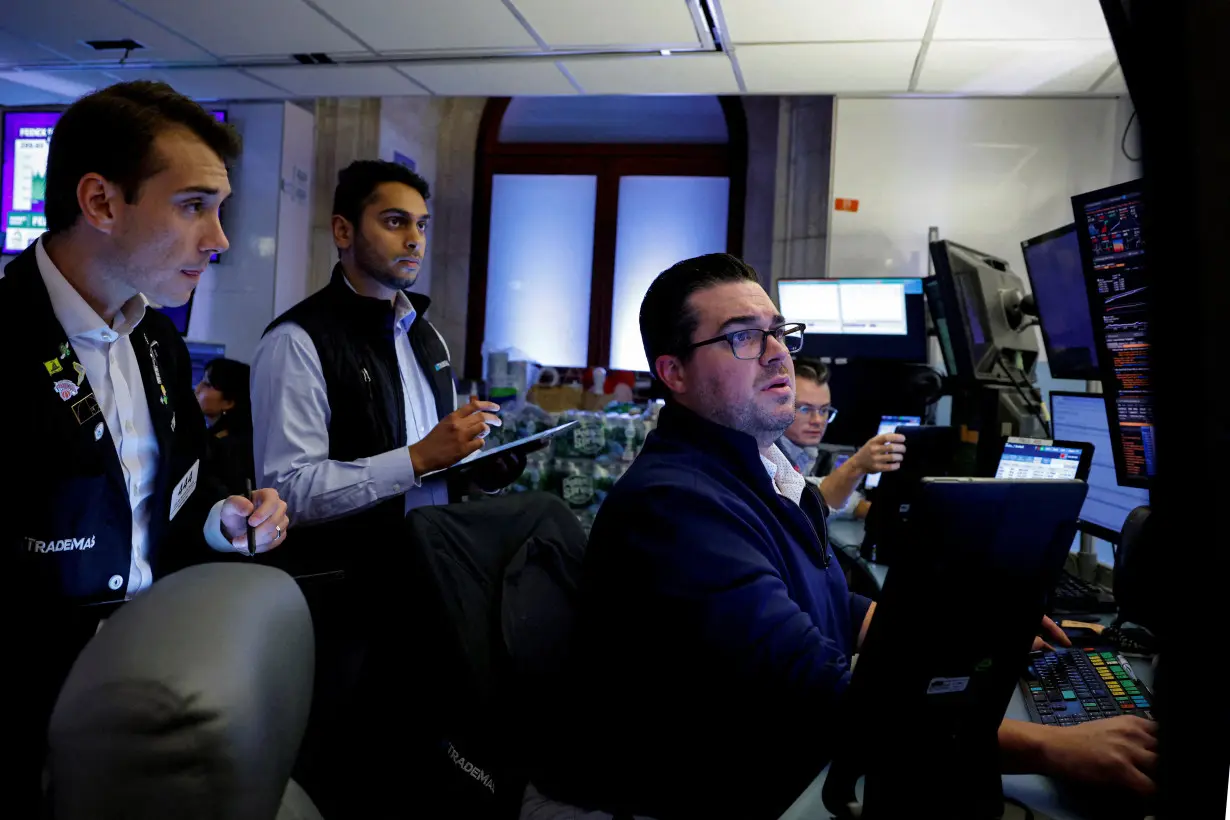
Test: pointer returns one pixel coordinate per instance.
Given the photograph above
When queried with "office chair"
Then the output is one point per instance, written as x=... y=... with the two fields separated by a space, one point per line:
x=190 y=702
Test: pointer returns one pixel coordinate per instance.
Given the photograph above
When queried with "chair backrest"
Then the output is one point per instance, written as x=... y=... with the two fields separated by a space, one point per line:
x=492 y=592
x=191 y=701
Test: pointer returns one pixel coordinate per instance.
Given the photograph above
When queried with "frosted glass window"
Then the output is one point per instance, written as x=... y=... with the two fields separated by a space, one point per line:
x=662 y=220
x=540 y=266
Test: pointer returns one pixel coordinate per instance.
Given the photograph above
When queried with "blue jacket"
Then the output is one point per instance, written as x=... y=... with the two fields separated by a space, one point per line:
x=715 y=635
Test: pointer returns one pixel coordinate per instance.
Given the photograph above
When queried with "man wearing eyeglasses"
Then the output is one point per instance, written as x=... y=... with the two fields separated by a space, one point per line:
x=813 y=410
x=715 y=628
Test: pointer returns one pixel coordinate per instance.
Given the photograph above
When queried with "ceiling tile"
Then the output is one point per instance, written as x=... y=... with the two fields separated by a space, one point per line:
x=1113 y=84
x=811 y=21
x=401 y=26
x=1014 y=67
x=210 y=83
x=244 y=28
x=338 y=81
x=493 y=78
x=1014 y=20
x=579 y=23
x=17 y=94
x=62 y=86
x=75 y=21
x=21 y=51
x=681 y=74
x=827 y=68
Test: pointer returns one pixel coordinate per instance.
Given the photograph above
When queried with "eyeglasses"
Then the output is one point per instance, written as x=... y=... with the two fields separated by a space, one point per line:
x=750 y=344
x=827 y=412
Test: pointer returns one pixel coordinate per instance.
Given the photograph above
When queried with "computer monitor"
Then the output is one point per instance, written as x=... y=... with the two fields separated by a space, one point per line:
x=1113 y=258
x=1082 y=417
x=1029 y=459
x=887 y=425
x=201 y=354
x=1053 y=263
x=858 y=318
x=27 y=138
x=976 y=305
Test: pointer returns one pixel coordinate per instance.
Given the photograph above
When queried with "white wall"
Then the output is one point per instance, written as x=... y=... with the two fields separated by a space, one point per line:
x=294 y=209
x=236 y=298
x=987 y=172
x=410 y=126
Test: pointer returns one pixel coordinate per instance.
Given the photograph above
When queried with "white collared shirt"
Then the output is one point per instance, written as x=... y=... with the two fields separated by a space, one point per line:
x=110 y=363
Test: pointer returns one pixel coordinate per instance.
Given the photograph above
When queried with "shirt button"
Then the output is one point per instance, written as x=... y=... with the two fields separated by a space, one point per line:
x=129 y=427
x=108 y=336
x=116 y=581
x=397 y=488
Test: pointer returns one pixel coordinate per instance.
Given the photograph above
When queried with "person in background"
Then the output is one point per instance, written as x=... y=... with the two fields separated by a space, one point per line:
x=223 y=394
x=104 y=489
x=813 y=410
x=715 y=629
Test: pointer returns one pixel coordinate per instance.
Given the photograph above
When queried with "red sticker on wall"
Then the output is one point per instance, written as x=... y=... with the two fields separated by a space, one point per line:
x=847 y=205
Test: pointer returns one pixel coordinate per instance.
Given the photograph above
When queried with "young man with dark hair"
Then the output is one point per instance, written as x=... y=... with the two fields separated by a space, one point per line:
x=715 y=626
x=813 y=410
x=105 y=489
x=353 y=399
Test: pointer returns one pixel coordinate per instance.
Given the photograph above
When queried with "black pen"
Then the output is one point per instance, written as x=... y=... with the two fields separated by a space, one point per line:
x=251 y=529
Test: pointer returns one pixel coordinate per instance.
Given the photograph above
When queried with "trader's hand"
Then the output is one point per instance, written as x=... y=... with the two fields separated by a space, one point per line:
x=1054 y=632
x=456 y=436
x=266 y=512
x=498 y=471
x=883 y=454
x=1119 y=751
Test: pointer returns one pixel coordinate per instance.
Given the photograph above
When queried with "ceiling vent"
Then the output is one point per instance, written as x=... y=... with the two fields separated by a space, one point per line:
x=114 y=45
x=315 y=58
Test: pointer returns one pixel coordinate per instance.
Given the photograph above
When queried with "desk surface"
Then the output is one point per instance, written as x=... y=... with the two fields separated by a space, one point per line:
x=1046 y=796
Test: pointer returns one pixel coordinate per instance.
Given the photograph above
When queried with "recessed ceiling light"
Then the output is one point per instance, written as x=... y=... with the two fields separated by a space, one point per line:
x=666 y=52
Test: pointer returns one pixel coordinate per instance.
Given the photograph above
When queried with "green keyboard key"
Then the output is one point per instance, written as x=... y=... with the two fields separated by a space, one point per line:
x=1068 y=694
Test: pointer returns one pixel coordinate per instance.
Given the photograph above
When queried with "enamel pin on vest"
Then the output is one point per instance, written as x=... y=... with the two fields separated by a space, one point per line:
x=153 y=359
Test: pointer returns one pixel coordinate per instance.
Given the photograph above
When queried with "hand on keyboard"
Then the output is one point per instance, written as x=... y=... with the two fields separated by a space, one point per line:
x=1053 y=631
x=1119 y=751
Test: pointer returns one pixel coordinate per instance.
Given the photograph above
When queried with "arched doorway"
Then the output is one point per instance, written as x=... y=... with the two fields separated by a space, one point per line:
x=579 y=202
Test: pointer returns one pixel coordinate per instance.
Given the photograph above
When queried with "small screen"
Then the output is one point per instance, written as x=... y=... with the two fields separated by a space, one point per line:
x=1083 y=418
x=875 y=307
x=1036 y=459
x=23 y=192
x=1054 y=265
x=887 y=425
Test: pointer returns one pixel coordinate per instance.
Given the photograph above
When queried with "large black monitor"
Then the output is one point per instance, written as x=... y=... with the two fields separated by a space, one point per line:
x=1113 y=256
x=1082 y=417
x=858 y=317
x=976 y=304
x=1053 y=263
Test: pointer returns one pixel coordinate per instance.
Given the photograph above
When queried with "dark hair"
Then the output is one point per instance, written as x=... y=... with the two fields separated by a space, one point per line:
x=111 y=133
x=231 y=379
x=358 y=181
x=812 y=370
x=667 y=320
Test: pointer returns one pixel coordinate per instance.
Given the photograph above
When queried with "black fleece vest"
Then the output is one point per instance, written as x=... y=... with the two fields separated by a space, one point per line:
x=353 y=336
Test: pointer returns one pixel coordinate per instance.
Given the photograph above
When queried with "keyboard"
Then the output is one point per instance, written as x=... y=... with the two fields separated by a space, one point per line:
x=1070 y=686
x=1076 y=595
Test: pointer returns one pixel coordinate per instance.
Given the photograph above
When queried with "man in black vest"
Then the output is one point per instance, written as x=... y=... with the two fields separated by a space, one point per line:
x=352 y=394
x=104 y=490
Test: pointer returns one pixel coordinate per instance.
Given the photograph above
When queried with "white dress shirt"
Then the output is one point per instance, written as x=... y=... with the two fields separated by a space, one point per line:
x=110 y=364
x=291 y=440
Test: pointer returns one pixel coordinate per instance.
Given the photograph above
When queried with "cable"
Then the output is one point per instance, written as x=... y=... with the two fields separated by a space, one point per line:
x=1123 y=142
x=1036 y=413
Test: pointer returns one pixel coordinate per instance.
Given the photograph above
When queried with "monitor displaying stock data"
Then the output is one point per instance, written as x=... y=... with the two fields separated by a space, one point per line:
x=858 y=317
x=1030 y=459
x=1113 y=253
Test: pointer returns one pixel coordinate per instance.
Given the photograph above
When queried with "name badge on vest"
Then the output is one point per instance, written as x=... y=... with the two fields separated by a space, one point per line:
x=441 y=365
x=184 y=488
